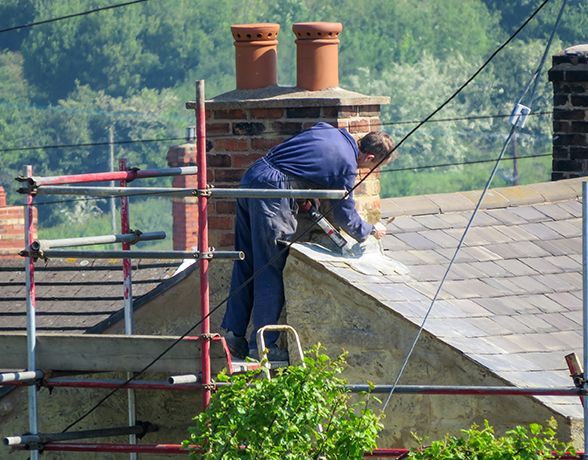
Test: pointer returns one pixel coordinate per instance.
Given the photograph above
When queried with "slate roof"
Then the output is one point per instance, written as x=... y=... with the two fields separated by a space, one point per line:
x=77 y=295
x=513 y=300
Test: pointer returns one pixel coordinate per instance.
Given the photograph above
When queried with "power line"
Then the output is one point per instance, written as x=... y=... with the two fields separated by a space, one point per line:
x=69 y=16
x=300 y=235
x=90 y=144
x=385 y=171
x=212 y=136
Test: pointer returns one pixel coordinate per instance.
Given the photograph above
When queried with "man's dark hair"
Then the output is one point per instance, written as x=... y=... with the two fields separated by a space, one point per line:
x=377 y=143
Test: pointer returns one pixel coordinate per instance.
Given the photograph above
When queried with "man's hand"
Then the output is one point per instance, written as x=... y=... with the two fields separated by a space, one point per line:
x=379 y=230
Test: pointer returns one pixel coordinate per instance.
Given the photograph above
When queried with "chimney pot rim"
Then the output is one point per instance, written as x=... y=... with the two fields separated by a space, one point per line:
x=313 y=30
x=255 y=32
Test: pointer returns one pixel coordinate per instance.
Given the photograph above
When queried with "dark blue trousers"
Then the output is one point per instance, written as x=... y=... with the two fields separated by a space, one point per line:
x=257 y=287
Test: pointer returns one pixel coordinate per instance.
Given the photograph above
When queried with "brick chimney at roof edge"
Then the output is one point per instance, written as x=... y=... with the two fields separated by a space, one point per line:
x=243 y=124
x=569 y=75
x=12 y=228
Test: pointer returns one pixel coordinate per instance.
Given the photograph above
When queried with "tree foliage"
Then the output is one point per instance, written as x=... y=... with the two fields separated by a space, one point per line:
x=66 y=82
x=301 y=413
x=481 y=443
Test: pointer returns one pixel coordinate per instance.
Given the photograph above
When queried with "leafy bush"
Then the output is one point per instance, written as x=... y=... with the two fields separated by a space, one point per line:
x=302 y=413
x=535 y=443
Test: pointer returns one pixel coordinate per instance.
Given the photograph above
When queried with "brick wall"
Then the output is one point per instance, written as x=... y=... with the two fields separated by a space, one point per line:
x=569 y=75
x=184 y=210
x=11 y=228
x=241 y=129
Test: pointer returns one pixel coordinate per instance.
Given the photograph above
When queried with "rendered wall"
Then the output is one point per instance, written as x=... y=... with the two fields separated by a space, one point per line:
x=323 y=308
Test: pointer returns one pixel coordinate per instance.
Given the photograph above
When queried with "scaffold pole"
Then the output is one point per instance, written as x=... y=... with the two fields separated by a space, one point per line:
x=127 y=175
x=25 y=376
x=31 y=322
x=125 y=228
x=203 y=239
x=585 y=305
x=115 y=254
x=179 y=191
x=125 y=237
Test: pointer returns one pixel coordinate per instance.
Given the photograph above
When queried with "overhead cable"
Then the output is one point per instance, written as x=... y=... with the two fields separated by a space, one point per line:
x=70 y=16
x=212 y=136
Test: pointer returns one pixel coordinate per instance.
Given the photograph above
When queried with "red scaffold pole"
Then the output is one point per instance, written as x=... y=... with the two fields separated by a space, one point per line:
x=125 y=227
x=203 y=239
x=127 y=175
x=177 y=449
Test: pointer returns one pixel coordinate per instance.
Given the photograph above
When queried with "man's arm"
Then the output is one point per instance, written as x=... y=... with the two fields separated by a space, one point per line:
x=346 y=217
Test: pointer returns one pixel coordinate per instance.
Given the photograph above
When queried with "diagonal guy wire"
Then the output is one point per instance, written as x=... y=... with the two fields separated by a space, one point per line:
x=513 y=130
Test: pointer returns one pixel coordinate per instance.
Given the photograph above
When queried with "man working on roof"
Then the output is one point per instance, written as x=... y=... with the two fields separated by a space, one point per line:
x=323 y=157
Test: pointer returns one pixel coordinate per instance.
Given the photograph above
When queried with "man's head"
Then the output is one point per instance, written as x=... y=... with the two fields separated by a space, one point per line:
x=373 y=147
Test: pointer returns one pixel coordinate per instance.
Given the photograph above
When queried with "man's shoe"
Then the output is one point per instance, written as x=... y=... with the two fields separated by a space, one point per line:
x=274 y=354
x=237 y=345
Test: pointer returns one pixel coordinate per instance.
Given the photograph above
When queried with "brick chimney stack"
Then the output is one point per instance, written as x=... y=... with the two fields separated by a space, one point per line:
x=12 y=223
x=242 y=125
x=569 y=75
x=184 y=209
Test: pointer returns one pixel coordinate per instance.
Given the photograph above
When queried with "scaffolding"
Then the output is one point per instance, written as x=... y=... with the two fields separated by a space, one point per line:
x=32 y=377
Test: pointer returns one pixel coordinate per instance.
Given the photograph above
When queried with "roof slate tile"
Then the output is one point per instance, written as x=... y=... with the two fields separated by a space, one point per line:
x=416 y=240
x=565 y=228
x=544 y=303
x=466 y=289
x=566 y=300
x=511 y=325
x=515 y=232
x=514 y=267
x=554 y=247
x=560 y=282
x=540 y=230
x=483 y=219
x=454 y=219
x=574 y=207
x=517 y=250
x=540 y=264
x=490 y=268
x=440 y=238
x=558 y=321
x=478 y=236
x=553 y=210
x=433 y=222
x=529 y=213
x=506 y=216
x=469 y=254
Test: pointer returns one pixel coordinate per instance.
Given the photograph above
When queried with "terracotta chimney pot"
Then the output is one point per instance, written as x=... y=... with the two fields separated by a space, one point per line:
x=317 y=54
x=256 y=50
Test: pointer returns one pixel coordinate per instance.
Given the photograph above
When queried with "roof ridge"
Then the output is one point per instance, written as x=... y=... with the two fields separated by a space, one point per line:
x=500 y=197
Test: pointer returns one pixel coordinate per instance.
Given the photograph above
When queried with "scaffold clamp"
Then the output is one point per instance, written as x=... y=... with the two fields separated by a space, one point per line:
x=204 y=192
x=30 y=190
x=209 y=386
x=210 y=336
x=205 y=254
x=34 y=254
x=137 y=237
x=134 y=170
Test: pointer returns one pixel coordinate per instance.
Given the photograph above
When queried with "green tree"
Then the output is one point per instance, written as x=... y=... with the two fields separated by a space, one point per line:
x=15 y=13
x=521 y=443
x=302 y=413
